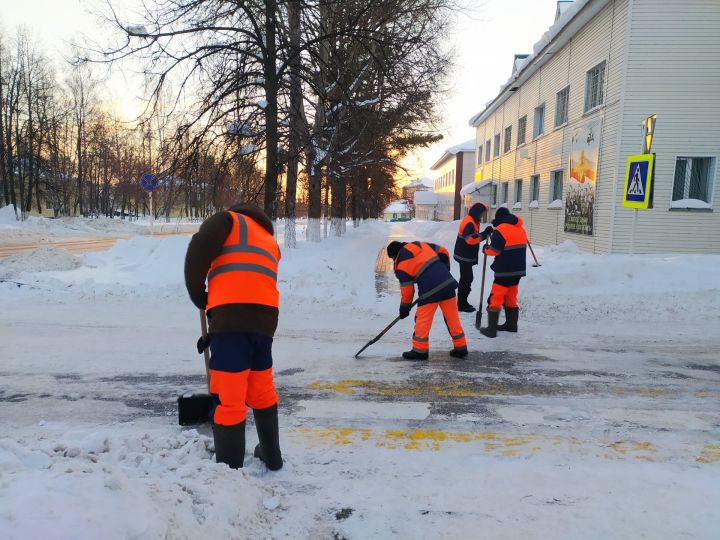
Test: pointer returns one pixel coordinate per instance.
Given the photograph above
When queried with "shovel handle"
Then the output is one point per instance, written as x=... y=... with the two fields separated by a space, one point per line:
x=203 y=329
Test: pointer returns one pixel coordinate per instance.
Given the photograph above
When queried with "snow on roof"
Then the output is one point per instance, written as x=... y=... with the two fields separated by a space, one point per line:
x=472 y=187
x=420 y=182
x=527 y=66
x=467 y=146
x=425 y=197
x=397 y=207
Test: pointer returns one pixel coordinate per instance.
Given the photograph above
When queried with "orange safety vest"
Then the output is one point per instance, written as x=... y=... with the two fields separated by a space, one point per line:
x=245 y=272
x=422 y=257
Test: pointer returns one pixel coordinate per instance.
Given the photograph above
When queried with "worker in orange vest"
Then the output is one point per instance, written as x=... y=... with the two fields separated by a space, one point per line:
x=508 y=244
x=467 y=246
x=236 y=253
x=428 y=265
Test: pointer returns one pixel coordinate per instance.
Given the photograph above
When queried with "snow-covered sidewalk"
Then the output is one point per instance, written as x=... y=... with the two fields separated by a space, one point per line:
x=600 y=419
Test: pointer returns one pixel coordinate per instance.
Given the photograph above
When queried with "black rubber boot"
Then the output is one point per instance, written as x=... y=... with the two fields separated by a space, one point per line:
x=459 y=352
x=268 y=450
x=491 y=329
x=230 y=444
x=414 y=355
x=464 y=306
x=511 y=320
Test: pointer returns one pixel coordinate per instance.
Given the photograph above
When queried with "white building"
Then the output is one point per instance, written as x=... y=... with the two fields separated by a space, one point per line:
x=454 y=169
x=601 y=69
x=426 y=205
x=399 y=210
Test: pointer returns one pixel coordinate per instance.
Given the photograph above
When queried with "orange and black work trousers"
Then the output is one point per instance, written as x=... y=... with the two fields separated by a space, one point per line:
x=240 y=374
x=502 y=295
x=423 y=323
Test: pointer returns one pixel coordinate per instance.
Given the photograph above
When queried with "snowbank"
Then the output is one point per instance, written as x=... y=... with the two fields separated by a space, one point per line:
x=38 y=260
x=124 y=483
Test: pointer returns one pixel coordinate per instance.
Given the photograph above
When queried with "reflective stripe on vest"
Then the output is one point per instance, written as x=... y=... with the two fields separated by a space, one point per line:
x=422 y=257
x=245 y=272
x=464 y=223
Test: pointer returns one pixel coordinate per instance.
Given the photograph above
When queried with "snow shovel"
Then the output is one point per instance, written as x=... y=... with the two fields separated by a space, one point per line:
x=534 y=257
x=478 y=315
x=196 y=408
x=381 y=334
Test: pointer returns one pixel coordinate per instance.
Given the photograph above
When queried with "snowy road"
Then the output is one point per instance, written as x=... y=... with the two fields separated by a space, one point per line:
x=565 y=430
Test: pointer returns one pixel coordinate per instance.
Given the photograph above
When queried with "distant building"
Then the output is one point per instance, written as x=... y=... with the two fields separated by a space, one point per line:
x=555 y=141
x=417 y=184
x=426 y=205
x=400 y=210
x=455 y=169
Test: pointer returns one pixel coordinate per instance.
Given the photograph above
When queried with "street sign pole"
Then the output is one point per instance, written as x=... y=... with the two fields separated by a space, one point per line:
x=152 y=214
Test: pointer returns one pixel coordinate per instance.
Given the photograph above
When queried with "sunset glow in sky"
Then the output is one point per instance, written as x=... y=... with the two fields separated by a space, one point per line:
x=485 y=41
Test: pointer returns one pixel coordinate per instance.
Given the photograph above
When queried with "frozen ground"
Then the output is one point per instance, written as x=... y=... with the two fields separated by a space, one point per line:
x=600 y=419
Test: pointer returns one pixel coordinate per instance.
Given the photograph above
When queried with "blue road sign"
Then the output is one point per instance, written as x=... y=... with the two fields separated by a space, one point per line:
x=638 y=181
x=149 y=181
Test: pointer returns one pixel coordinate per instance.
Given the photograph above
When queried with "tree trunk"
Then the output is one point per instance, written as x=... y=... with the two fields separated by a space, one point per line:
x=294 y=119
x=271 y=110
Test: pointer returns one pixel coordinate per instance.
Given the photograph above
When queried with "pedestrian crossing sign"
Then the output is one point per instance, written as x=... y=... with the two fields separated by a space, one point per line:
x=638 y=181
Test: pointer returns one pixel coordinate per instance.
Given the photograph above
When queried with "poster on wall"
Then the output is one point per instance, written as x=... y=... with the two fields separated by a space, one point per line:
x=580 y=197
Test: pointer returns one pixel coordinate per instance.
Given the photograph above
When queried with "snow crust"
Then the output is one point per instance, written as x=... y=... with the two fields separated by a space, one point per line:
x=106 y=336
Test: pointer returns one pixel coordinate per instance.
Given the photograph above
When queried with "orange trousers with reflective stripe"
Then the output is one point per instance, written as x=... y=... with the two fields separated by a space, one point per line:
x=240 y=375
x=235 y=390
x=501 y=295
x=423 y=323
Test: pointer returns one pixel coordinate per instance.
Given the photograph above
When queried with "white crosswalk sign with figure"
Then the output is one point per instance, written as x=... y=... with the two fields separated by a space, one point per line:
x=638 y=181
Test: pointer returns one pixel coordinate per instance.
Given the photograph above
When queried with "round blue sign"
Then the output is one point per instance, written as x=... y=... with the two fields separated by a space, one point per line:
x=149 y=181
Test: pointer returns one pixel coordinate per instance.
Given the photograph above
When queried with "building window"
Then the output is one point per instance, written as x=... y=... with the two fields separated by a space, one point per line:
x=487 y=150
x=556 y=186
x=494 y=195
x=496 y=150
x=479 y=157
x=539 y=122
x=561 y=106
x=504 y=193
x=518 y=191
x=522 y=126
x=693 y=179
x=508 y=139
x=594 y=87
x=534 y=188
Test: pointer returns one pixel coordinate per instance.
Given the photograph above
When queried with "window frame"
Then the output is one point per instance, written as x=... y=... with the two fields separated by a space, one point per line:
x=522 y=119
x=496 y=143
x=536 y=133
x=534 y=191
x=563 y=94
x=488 y=151
x=507 y=143
x=590 y=105
x=710 y=180
x=480 y=155
x=553 y=185
x=494 y=194
x=518 y=191
x=505 y=193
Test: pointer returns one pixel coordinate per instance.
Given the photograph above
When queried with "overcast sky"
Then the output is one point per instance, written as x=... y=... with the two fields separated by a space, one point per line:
x=485 y=43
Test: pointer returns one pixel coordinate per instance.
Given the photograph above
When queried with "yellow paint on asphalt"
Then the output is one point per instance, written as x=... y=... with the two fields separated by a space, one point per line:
x=474 y=388
x=709 y=454
x=485 y=442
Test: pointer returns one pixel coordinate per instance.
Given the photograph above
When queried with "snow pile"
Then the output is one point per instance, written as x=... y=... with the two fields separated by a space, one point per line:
x=38 y=260
x=135 y=484
x=7 y=216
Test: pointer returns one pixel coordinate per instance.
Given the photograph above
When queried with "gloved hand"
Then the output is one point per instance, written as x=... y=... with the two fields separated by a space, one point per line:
x=202 y=344
x=487 y=231
x=404 y=310
x=474 y=235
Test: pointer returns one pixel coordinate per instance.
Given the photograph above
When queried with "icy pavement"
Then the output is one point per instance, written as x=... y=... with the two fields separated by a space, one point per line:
x=601 y=426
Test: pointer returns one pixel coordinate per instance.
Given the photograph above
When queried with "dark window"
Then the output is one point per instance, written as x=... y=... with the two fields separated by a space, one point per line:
x=692 y=179
x=522 y=127
x=539 y=122
x=496 y=150
x=561 y=106
x=508 y=139
x=594 y=81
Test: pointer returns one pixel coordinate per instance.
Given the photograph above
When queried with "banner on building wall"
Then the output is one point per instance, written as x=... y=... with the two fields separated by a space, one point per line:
x=580 y=195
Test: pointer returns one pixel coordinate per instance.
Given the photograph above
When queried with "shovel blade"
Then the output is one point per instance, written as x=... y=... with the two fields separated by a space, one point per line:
x=194 y=409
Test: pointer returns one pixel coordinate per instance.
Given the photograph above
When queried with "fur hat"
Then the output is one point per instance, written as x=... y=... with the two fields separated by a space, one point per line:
x=394 y=248
x=501 y=212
